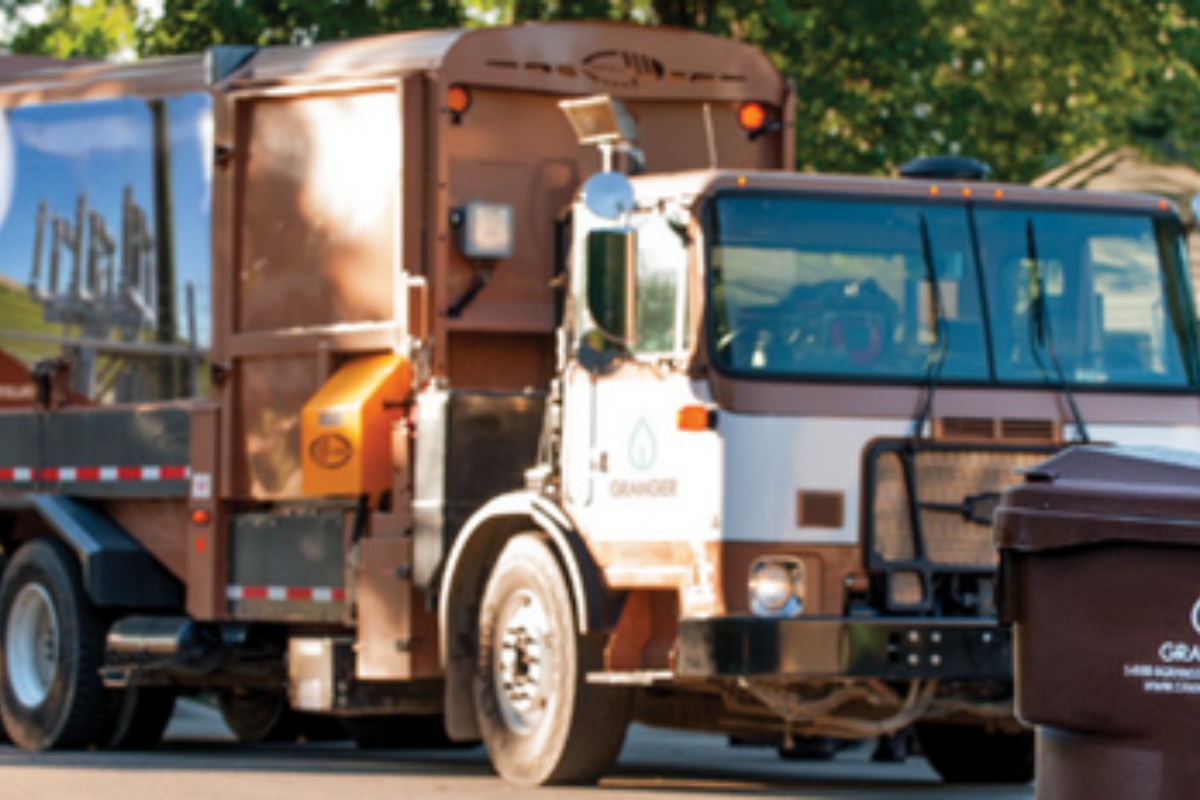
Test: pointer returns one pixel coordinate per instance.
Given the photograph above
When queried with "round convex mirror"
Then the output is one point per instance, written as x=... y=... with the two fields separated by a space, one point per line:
x=608 y=195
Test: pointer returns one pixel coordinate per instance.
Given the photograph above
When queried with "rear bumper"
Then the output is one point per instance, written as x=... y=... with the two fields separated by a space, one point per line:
x=891 y=649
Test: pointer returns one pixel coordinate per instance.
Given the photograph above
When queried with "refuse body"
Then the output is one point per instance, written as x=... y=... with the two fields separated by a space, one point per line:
x=1100 y=580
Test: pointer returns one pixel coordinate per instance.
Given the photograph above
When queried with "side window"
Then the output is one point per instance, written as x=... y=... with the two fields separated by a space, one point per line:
x=661 y=289
x=1131 y=330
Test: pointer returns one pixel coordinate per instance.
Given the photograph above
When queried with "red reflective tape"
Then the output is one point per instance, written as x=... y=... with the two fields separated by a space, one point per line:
x=66 y=473
x=287 y=594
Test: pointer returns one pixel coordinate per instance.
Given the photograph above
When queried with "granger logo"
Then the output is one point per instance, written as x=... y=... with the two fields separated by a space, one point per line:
x=643 y=447
x=622 y=68
x=331 y=450
x=1183 y=652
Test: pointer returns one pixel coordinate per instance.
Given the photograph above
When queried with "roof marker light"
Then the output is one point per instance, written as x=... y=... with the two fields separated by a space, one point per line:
x=458 y=100
x=752 y=117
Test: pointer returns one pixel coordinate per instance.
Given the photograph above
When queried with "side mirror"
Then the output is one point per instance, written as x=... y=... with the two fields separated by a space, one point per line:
x=610 y=264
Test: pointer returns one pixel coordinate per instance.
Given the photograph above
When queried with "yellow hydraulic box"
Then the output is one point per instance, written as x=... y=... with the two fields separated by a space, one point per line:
x=346 y=427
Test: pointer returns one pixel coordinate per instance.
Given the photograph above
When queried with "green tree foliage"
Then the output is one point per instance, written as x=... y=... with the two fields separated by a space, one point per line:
x=191 y=25
x=73 y=30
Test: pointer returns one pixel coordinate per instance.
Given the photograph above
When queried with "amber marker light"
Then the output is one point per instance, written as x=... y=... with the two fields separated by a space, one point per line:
x=966 y=192
x=201 y=517
x=741 y=181
x=696 y=418
x=998 y=194
x=934 y=191
x=752 y=117
x=458 y=100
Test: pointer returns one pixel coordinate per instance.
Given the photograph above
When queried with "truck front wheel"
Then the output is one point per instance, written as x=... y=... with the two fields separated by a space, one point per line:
x=50 y=690
x=541 y=722
x=973 y=754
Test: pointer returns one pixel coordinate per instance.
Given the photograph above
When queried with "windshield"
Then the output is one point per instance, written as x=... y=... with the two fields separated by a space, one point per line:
x=891 y=290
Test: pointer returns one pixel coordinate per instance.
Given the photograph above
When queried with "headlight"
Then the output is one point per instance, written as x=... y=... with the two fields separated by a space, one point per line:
x=777 y=587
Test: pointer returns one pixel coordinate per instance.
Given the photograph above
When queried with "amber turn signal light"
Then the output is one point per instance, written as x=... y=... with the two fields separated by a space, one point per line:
x=696 y=418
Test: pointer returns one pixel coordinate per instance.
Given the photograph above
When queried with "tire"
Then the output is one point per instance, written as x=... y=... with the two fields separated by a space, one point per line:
x=541 y=722
x=261 y=715
x=257 y=715
x=3 y=733
x=402 y=732
x=141 y=718
x=972 y=754
x=50 y=690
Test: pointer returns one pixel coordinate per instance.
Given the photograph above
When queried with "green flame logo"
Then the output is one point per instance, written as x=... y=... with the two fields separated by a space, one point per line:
x=643 y=448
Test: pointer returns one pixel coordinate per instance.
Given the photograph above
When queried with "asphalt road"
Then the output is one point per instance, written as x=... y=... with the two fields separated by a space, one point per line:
x=200 y=761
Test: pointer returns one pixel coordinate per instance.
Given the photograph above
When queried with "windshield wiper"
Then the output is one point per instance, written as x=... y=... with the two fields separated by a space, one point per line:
x=1041 y=333
x=941 y=342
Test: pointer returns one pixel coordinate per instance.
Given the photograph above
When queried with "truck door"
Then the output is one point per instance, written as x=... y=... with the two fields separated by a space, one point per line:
x=634 y=474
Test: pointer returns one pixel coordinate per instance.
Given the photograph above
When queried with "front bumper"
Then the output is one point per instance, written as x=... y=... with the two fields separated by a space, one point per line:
x=886 y=649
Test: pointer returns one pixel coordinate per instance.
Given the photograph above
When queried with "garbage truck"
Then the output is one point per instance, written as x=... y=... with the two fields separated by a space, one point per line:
x=528 y=393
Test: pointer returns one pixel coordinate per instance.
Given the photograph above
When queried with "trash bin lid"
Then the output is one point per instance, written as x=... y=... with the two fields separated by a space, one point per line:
x=1087 y=495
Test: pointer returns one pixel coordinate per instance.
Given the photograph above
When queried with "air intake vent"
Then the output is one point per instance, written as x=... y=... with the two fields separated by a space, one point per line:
x=966 y=429
x=976 y=429
x=1028 y=430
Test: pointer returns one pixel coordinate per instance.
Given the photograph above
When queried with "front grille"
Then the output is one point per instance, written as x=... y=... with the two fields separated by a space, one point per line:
x=955 y=489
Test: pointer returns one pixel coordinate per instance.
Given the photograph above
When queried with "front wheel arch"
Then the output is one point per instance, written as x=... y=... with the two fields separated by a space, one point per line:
x=465 y=576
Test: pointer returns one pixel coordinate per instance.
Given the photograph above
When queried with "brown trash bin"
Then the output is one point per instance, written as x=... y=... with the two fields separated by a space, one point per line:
x=1100 y=579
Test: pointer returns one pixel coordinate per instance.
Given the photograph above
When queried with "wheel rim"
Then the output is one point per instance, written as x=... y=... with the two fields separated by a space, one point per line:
x=524 y=661
x=32 y=645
